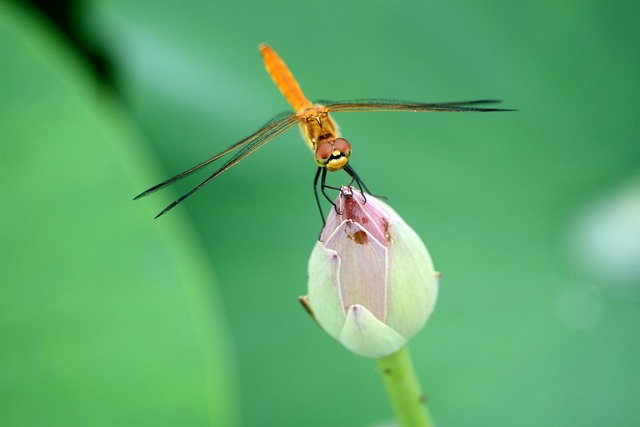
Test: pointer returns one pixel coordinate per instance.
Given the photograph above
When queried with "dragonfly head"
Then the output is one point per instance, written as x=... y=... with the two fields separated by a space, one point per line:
x=333 y=155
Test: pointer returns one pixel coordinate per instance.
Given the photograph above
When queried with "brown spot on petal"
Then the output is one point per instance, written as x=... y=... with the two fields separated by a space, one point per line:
x=360 y=237
x=387 y=236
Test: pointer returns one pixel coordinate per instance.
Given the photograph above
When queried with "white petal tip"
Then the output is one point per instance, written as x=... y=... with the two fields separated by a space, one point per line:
x=367 y=336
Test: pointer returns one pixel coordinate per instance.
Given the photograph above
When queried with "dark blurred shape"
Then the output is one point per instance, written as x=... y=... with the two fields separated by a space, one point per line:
x=64 y=14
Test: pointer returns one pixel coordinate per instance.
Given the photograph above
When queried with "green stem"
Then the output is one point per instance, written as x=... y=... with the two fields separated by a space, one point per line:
x=404 y=389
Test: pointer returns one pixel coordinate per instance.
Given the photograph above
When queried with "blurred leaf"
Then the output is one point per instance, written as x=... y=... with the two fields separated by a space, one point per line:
x=107 y=317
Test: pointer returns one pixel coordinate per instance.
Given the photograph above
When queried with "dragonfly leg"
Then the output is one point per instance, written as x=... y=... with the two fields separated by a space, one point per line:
x=355 y=178
x=321 y=175
x=323 y=188
x=360 y=183
x=315 y=190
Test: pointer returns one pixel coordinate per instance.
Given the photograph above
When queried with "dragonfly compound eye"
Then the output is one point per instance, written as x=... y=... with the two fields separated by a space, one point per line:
x=343 y=146
x=323 y=152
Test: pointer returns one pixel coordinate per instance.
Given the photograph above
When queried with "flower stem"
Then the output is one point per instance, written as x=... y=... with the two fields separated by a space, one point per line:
x=404 y=389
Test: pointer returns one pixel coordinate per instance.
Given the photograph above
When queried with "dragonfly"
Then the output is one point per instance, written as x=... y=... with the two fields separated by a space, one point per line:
x=330 y=150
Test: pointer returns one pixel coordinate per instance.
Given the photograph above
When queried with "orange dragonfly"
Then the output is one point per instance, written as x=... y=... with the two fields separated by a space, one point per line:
x=331 y=151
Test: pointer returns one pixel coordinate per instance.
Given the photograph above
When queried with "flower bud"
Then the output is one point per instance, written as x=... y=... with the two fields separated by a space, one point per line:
x=372 y=284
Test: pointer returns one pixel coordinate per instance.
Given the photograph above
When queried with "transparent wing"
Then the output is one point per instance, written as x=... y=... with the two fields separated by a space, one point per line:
x=397 y=105
x=269 y=131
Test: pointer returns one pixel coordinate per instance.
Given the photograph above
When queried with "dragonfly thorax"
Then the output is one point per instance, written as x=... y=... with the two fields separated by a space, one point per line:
x=317 y=126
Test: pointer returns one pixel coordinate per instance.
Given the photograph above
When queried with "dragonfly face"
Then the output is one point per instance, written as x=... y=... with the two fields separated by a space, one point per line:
x=333 y=155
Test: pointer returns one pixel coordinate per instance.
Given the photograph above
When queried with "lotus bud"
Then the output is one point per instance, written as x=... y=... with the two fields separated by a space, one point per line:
x=372 y=285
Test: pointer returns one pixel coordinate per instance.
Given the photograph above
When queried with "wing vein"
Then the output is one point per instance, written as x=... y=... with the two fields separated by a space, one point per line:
x=281 y=120
x=267 y=133
x=398 y=105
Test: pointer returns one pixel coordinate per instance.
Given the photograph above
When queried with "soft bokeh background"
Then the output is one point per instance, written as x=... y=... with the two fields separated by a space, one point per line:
x=111 y=318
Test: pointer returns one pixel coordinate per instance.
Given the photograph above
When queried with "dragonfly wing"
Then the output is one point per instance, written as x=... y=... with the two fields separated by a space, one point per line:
x=283 y=120
x=397 y=105
x=266 y=134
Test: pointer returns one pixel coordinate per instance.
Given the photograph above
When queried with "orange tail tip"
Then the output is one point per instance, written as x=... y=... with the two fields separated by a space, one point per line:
x=283 y=78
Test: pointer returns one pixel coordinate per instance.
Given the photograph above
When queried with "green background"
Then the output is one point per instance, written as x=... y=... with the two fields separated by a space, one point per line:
x=108 y=317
